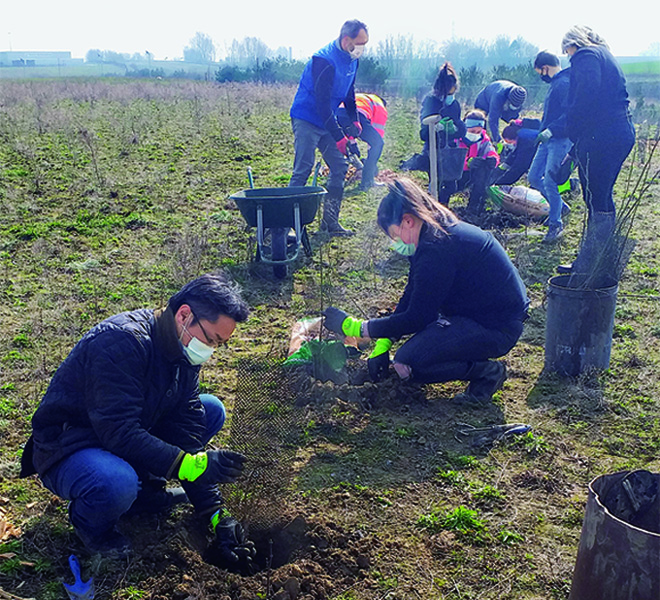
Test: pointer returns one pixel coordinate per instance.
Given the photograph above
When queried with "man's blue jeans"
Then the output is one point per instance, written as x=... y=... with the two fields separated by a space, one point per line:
x=548 y=157
x=101 y=487
x=371 y=136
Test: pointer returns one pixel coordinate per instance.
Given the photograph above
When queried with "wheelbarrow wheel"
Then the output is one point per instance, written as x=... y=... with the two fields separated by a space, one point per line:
x=278 y=249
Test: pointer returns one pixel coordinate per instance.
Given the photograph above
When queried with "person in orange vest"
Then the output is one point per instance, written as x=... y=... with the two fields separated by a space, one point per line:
x=372 y=113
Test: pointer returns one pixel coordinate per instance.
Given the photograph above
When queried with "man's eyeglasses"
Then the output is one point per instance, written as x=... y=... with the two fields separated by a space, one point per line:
x=206 y=335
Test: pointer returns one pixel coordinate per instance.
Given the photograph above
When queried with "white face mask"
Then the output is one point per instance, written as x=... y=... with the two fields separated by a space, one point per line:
x=357 y=51
x=473 y=137
x=197 y=352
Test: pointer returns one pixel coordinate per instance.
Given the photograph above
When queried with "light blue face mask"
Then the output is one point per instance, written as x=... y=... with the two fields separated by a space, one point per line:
x=197 y=352
x=402 y=248
x=449 y=99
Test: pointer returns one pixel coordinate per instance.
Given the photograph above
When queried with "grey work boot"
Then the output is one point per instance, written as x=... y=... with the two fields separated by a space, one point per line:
x=598 y=246
x=485 y=377
x=331 y=207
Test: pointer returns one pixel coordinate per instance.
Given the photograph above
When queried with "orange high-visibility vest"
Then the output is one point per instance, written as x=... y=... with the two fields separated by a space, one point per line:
x=372 y=107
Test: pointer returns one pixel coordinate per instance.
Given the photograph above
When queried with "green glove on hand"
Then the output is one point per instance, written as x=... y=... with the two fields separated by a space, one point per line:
x=379 y=360
x=214 y=466
x=448 y=125
x=338 y=321
x=231 y=549
x=543 y=137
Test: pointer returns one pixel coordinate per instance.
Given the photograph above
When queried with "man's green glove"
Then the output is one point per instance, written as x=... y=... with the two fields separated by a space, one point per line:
x=214 y=466
x=543 y=137
x=231 y=549
x=379 y=360
x=338 y=321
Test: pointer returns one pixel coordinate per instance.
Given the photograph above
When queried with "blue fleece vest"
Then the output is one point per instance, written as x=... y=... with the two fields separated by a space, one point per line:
x=304 y=103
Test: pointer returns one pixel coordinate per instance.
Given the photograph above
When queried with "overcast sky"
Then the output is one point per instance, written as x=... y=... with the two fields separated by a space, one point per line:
x=164 y=28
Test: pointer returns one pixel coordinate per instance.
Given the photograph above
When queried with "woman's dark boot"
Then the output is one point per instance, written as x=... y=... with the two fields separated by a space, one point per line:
x=485 y=377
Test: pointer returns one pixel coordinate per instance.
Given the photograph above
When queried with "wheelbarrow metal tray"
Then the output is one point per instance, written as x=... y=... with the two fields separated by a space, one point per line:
x=277 y=204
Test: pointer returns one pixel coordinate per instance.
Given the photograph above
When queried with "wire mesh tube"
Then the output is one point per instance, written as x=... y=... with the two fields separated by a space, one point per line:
x=266 y=427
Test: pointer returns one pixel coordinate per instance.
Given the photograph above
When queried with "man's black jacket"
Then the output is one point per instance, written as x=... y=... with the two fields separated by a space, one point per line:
x=125 y=387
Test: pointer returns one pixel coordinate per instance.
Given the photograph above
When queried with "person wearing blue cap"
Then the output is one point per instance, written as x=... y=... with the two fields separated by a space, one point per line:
x=500 y=99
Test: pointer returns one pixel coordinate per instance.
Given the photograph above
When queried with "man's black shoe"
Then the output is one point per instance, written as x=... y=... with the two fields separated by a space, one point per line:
x=111 y=544
x=153 y=501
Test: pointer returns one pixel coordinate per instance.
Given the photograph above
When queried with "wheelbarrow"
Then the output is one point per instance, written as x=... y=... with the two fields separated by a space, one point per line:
x=280 y=210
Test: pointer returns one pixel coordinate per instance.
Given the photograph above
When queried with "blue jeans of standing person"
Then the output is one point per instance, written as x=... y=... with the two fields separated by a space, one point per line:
x=307 y=138
x=371 y=136
x=547 y=159
x=446 y=349
x=101 y=487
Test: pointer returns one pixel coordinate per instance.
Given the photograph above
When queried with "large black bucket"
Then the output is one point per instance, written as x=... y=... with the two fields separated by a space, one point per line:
x=579 y=325
x=450 y=163
x=619 y=553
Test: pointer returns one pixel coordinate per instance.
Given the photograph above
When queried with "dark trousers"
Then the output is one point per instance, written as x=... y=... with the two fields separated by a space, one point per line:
x=600 y=158
x=476 y=178
x=307 y=138
x=445 y=350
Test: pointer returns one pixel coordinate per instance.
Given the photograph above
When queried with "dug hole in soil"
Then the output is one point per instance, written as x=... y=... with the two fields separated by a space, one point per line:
x=298 y=558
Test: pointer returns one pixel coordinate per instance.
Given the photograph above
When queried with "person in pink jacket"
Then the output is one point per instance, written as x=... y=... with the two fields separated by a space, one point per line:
x=480 y=160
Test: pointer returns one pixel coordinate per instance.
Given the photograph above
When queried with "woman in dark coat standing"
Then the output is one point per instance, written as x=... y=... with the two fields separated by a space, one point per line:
x=600 y=125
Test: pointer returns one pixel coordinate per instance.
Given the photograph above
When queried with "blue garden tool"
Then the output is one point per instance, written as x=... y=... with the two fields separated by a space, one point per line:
x=79 y=589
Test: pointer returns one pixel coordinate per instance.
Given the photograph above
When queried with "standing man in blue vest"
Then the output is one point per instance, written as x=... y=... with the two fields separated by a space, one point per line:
x=328 y=81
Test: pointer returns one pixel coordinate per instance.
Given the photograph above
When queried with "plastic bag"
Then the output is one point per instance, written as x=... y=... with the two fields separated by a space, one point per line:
x=520 y=200
x=304 y=331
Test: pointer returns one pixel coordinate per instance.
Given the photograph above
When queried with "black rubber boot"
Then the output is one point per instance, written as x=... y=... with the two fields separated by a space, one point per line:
x=154 y=497
x=331 y=207
x=485 y=377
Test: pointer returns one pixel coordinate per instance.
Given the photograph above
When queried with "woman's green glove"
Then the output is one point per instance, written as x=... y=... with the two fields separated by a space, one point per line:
x=338 y=321
x=379 y=360
x=351 y=327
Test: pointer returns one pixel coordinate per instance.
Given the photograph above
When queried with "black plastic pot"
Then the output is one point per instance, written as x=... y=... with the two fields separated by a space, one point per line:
x=619 y=553
x=579 y=326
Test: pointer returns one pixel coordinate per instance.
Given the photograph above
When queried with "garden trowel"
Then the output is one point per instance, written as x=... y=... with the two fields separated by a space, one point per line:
x=78 y=590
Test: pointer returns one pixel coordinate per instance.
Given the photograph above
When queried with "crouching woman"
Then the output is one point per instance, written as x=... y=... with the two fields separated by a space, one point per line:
x=463 y=306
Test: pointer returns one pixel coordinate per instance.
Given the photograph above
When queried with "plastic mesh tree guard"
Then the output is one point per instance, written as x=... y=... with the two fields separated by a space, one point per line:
x=266 y=426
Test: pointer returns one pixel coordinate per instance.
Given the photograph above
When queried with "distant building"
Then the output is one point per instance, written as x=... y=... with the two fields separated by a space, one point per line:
x=33 y=58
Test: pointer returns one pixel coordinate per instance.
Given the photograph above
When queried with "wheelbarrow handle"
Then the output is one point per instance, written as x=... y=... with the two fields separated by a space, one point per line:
x=250 y=178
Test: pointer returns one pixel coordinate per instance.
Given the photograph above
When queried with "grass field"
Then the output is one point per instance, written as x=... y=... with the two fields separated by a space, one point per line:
x=651 y=67
x=115 y=193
